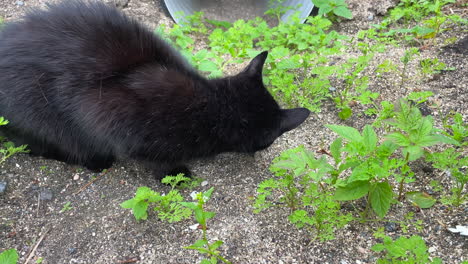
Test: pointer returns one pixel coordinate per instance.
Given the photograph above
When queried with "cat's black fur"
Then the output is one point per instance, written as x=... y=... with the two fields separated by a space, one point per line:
x=82 y=83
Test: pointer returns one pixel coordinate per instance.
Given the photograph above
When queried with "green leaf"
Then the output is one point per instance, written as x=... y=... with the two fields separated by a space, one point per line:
x=415 y=152
x=378 y=247
x=369 y=138
x=349 y=133
x=335 y=149
x=352 y=191
x=345 y=113
x=199 y=243
x=399 y=139
x=140 y=210
x=381 y=196
x=343 y=11
x=216 y=244
x=9 y=256
x=446 y=140
x=207 y=66
x=420 y=199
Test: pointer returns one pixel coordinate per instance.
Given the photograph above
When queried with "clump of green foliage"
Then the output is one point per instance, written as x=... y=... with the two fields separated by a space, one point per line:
x=167 y=205
x=203 y=245
x=414 y=21
x=364 y=165
x=7 y=148
x=9 y=256
x=451 y=162
x=335 y=7
x=402 y=250
x=172 y=208
x=298 y=70
x=301 y=183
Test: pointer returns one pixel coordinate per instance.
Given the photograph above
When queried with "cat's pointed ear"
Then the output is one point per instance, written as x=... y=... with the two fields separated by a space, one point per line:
x=255 y=67
x=292 y=118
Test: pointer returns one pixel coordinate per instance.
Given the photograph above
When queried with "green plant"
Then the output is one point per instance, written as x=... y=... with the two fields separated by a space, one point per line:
x=452 y=163
x=457 y=129
x=402 y=250
x=412 y=133
x=303 y=184
x=409 y=221
x=66 y=207
x=429 y=67
x=9 y=256
x=168 y=206
x=415 y=10
x=336 y=7
x=201 y=216
x=371 y=165
x=8 y=149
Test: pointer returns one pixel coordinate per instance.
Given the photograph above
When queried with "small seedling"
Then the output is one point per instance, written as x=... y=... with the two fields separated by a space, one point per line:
x=203 y=245
x=66 y=207
x=166 y=205
x=453 y=164
x=402 y=250
x=7 y=148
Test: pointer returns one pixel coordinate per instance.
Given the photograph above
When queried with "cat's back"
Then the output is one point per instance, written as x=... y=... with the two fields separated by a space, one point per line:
x=88 y=38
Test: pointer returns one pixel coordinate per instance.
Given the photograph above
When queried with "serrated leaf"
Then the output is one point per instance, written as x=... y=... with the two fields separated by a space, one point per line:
x=343 y=11
x=352 y=191
x=216 y=244
x=378 y=247
x=207 y=66
x=345 y=113
x=381 y=196
x=140 y=210
x=415 y=152
x=335 y=149
x=446 y=140
x=9 y=256
x=369 y=138
x=349 y=133
x=399 y=139
x=421 y=199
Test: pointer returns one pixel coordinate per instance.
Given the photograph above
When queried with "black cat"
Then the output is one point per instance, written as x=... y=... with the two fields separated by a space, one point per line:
x=82 y=83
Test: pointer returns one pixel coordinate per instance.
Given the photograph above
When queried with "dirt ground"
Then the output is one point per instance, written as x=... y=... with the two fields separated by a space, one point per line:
x=98 y=230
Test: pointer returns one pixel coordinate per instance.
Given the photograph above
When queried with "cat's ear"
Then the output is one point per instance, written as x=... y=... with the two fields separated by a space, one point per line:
x=292 y=118
x=255 y=67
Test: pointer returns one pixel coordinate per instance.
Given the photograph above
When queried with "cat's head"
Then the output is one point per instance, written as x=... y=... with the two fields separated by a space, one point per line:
x=257 y=119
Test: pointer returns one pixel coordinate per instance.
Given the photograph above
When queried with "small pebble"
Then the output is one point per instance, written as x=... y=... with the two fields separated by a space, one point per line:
x=432 y=249
x=390 y=227
x=204 y=183
x=76 y=177
x=71 y=250
x=370 y=17
x=46 y=195
x=3 y=186
x=19 y=3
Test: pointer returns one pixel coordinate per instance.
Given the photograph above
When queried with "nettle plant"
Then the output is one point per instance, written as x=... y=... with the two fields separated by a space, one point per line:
x=364 y=165
x=303 y=184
